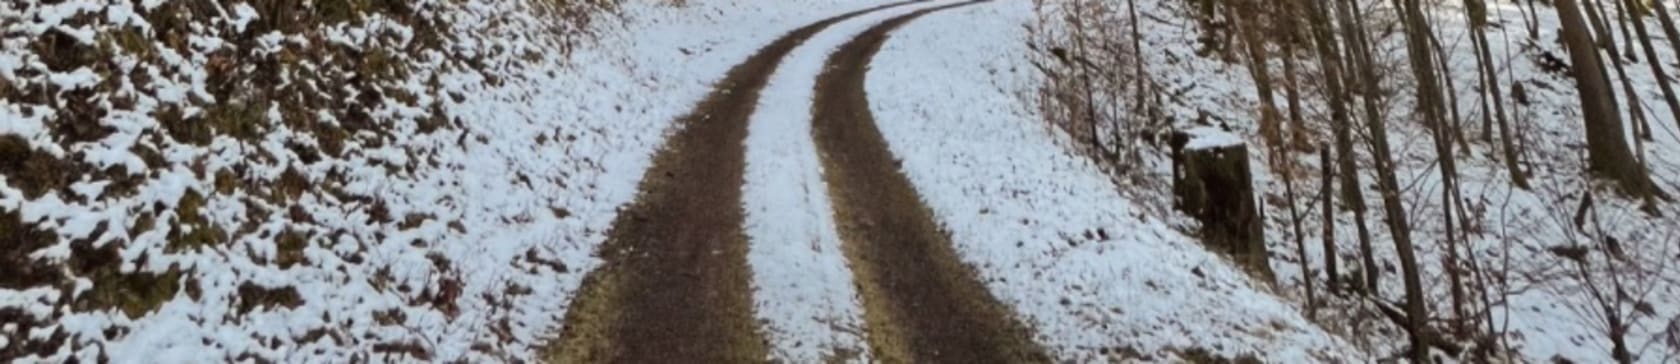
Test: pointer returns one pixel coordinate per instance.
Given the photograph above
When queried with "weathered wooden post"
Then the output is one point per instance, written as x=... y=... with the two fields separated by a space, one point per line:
x=1212 y=182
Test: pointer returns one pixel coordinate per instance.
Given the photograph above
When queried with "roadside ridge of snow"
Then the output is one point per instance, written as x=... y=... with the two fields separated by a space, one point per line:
x=1097 y=278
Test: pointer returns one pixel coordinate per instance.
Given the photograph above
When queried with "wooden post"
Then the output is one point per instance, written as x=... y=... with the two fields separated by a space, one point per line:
x=1325 y=193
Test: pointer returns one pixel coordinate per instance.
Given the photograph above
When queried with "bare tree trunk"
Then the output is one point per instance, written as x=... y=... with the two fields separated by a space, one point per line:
x=1286 y=166
x=1456 y=222
x=1656 y=68
x=1353 y=25
x=1607 y=150
x=1485 y=100
x=1490 y=88
x=1291 y=9
x=1326 y=190
x=1090 y=116
x=1452 y=217
x=1330 y=60
x=1259 y=58
x=1641 y=128
x=1531 y=18
x=1667 y=22
x=1297 y=138
x=1456 y=129
x=1602 y=35
x=1475 y=16
x=1609 y=303
x=1479 y=275
x=1627 y=46
x=1292 y=94
x=1423 y=69
x=1141 y=84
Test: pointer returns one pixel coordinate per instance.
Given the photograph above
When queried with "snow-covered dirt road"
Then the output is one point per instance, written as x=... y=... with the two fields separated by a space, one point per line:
x=924 y=303
x=788 y=221
x=676 y=283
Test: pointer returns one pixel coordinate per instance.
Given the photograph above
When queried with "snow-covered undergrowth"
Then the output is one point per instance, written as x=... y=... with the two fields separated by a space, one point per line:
x=330 y=181
x=1542 y=305
x=1543 y=301
x=1097 y=276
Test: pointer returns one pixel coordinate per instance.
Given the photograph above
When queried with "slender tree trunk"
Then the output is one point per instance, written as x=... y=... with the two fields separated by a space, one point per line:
x=1452 y=218
x=1095 y=137
x=1475 y=15
x=1286 y=166
x=1286 y=163
x=1602 y=35
x=1353 y=25
x=1329 y=189
x=1667 y=22
x=1330 y=59
x=1423 y=69
x=1610 y=303
x=1138 y=74
x=1259 y=69
x=1531 y=19
x=1641 y=128
x=1490 y=87
x=1441 y=59
x=1297 y=126
x=1656 y=68
x=1627 y=46
x=1479 y=275
x=1607 y=149
x=1292 y=93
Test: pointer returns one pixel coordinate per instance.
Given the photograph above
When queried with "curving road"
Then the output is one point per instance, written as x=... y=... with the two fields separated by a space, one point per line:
x=924 y=305
x=675 y=287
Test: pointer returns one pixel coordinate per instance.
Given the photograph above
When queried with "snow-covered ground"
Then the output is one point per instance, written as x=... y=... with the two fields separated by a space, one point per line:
x=1097 y=277
x=463 y=242
x=450 y=210
x=1540 y=300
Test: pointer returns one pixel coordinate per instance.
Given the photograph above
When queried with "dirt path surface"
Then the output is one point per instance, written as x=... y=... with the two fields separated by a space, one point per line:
x=675 y=286
x=922 y=303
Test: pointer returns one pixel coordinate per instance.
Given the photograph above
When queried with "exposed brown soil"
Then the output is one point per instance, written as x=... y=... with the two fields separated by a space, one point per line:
x=922 y=303
x=675 y=286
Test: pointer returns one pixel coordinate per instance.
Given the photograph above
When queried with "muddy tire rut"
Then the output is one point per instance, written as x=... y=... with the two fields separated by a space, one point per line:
x=674 y=287
x=922 y=304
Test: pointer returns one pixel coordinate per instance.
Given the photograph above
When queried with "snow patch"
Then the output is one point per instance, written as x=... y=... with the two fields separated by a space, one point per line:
x=1206 y=137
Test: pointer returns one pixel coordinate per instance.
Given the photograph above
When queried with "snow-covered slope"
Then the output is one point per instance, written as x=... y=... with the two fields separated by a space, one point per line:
x=1097 y=277
x=336 y=181
x=434 y=194
x=1542 y=305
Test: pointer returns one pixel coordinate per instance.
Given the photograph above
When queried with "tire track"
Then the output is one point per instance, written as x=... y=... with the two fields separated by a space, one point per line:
x=674 y=286
x=922 y=303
